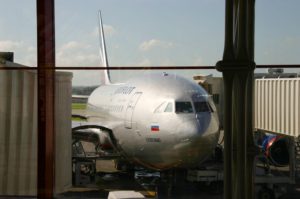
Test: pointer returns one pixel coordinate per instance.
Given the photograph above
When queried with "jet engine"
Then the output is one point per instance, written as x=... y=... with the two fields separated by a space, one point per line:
x=99 y=138
x=105 y=142
x=275 y=148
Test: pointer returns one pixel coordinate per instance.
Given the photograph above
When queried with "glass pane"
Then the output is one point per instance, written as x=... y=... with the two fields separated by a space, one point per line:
x=176 y=33
x=90 y=147
x=18 y=133
x=275 y=102
x=18 y=30
x=277 y=33
x=18 y=99
x=137 y=33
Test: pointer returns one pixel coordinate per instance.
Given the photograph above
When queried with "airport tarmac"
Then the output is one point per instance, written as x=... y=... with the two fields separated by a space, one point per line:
x=123 y=182
x=115 y=181
x=190 y=193
x=109 y=179
x=95 y=193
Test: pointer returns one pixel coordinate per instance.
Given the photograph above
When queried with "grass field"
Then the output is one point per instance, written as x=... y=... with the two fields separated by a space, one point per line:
x=78 y=109
x=78 y=106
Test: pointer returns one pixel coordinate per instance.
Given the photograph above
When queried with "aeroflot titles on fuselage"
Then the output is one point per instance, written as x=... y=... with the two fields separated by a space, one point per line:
x=126 y=90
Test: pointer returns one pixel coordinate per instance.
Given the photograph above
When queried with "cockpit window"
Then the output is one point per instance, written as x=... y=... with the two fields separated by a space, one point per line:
x=202 y=107
x=169 y=108
x=183 y=107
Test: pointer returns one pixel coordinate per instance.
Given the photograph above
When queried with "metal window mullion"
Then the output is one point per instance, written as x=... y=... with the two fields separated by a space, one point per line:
x=46 y=75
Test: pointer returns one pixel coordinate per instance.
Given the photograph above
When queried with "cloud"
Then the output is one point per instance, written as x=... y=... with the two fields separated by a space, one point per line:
x=70 y=46
x=167 y=62
x=72 y=53
x=78 y=60
x=108 y=30
x=144 y=62
x=31 y=49
x=154 y=43
x=198 y=61
x=24 y=53
x=292 y=40
x=76 y=53
x=8 y=45
x=30 y=58
x=86 y=78
x=155 y=62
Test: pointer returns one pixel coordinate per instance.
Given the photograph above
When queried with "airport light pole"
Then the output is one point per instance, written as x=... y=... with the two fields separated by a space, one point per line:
x=238 y=67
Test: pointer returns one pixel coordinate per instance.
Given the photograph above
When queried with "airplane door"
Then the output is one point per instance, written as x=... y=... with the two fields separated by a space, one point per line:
x=130 y=108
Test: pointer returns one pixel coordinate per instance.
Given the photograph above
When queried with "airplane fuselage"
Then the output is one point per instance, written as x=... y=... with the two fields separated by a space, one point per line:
x=158 y=120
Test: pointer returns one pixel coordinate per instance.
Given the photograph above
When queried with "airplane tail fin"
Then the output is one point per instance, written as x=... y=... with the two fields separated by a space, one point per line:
x=105 y=75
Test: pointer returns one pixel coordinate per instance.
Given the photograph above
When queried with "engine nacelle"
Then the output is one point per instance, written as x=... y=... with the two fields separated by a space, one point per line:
x=276 y=149
x=98 y=137
x=104 y=141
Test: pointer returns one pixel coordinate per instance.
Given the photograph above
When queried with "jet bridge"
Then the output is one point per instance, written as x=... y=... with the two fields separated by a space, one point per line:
x=277 y=106
x=276 y=102
x=277 y=112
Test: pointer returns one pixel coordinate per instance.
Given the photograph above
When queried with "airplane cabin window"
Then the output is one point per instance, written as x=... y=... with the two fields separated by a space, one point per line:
x=183 y=107
x=202 y=107
x=169 y=108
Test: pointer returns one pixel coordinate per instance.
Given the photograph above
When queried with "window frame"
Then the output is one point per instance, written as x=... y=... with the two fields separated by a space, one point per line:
x=46 y=71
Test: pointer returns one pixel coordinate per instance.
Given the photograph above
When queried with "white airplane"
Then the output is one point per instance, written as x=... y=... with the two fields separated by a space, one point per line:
x=159 y=121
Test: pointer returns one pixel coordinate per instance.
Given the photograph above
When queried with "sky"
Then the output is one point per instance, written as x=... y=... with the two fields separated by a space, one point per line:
x=148 y=33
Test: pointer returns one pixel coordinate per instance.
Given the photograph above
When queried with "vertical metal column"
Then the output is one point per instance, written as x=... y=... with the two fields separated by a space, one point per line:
x=237 y=67
x=46 y=73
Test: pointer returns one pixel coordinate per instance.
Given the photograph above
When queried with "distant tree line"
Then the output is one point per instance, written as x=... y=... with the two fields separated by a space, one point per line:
x=83 y=90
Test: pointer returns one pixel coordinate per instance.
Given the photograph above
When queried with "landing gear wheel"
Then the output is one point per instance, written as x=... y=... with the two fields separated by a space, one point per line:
x=266 y=193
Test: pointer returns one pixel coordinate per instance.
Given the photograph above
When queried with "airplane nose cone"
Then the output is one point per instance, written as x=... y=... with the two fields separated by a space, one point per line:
x=189 y=129
x=196 y=139
x=193 y=129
